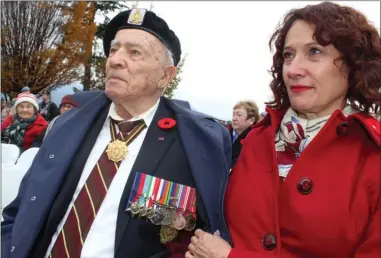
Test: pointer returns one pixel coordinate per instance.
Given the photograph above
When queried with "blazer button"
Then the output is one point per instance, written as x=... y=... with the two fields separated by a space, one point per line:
x=305 y=186
x=12 y=249
x=342 y=129
x=51 y=156
x=269 y=242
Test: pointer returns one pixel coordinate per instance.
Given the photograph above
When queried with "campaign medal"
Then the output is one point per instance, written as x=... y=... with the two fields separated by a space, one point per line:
x=157 y=217
x=167 y=234
x=150 y=212
x=178 y=222
x=134 y=208
x=142 y=211
x=116 y=151
x=167 y=218
x=190 y=222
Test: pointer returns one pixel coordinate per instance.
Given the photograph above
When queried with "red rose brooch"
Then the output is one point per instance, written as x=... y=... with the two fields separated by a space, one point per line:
x=166 y=123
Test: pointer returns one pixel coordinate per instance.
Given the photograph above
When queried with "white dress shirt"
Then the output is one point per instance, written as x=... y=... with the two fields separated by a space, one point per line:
x=100 y=240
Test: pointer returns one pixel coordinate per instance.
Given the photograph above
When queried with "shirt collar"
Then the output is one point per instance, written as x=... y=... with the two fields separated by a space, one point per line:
x=146 y=116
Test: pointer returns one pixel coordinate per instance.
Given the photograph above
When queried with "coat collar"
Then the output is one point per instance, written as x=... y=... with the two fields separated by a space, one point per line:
x=369 y=123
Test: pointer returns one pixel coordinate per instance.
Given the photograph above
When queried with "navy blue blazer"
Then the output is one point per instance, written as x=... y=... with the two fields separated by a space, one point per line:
x=207 y=147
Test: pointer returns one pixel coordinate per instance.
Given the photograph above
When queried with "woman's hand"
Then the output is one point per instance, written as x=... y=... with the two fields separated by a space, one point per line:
x=205 y=245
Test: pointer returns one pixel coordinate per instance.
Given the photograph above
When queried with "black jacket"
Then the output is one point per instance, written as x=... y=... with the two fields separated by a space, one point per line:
x=237 y=144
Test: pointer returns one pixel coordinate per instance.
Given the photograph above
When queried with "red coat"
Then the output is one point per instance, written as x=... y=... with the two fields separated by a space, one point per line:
x=329 y=204
x=33 y=130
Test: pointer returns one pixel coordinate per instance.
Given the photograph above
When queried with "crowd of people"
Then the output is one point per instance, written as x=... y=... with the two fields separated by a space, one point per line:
x=132 y=173
x=24 y=121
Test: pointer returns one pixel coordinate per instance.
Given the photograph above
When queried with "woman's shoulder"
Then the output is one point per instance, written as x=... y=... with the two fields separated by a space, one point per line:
x=40 y=120
x=371 y=125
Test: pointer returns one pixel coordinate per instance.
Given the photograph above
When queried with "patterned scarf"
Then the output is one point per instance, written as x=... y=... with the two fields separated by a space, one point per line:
x=14 y=134
x=294 y=134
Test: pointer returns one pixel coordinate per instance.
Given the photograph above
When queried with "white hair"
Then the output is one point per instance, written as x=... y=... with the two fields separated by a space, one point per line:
x=170 y=59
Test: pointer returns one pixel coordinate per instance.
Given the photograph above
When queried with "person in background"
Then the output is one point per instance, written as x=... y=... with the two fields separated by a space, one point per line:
x=262 y=115
x=26 y=125
x=5 y=113
x=307 y=183
x=245 y=114
x=25 y=89
x=67 y=103
x=3 y=103
x=48 y=109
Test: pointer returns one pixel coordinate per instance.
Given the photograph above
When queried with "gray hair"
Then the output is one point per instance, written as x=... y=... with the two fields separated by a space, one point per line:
x=169 y=57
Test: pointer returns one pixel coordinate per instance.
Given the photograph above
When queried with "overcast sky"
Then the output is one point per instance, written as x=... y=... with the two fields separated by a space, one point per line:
x=227 y=46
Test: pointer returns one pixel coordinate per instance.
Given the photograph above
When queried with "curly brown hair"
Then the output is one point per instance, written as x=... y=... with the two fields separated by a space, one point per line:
x=353 y=36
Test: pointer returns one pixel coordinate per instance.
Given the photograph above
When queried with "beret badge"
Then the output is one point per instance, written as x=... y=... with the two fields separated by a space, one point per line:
x=136 y=16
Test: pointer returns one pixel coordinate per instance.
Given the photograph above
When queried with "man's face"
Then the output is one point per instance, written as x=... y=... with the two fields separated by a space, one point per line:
x=136 y=67
x=45 y=97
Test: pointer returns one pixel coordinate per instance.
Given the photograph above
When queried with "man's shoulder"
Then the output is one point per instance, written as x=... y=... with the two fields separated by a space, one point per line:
x=82 y=97
x=185 y=108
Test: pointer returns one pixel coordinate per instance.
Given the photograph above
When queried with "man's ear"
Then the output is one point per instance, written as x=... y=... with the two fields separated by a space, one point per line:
x=169 y=74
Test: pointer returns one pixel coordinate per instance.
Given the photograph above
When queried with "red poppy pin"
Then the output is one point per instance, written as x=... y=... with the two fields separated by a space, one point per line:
x=166 y=123
x=242 y=141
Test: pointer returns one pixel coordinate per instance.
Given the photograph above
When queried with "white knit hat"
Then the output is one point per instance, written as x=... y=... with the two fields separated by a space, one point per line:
x=27 y=97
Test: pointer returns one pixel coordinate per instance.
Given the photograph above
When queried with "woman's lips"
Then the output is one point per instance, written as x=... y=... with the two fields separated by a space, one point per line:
x=299 y=88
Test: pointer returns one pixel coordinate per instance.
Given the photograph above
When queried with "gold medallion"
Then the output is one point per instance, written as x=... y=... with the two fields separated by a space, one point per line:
x=116 y=151
x=167 y=234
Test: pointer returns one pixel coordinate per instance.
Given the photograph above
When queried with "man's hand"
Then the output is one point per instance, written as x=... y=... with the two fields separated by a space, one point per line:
x=205 y=245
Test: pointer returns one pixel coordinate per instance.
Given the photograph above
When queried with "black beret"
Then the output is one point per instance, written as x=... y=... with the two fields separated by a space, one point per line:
x=148 y=21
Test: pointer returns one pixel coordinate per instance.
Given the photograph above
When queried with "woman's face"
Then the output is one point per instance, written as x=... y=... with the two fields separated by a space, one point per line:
x=315 y=84
x=65 y=107
x=25 y=110
x=240 y=121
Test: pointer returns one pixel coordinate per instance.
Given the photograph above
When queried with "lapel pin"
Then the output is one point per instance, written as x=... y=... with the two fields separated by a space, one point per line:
x=161 y=138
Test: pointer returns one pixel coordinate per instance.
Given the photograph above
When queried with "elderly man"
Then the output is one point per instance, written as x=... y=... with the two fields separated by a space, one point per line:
x=130 y=173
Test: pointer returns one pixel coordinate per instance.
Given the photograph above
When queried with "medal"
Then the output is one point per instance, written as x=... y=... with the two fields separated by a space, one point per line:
x=167 y=218
x=191 y=222
x=134 y=208
x=178 y=222
x=116 y=151
x=157 y=217
x=167 y=234
x=142 y=211
x=150 y=213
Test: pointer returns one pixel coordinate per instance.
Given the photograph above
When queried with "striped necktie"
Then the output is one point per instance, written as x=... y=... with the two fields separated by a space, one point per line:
x=74 y=232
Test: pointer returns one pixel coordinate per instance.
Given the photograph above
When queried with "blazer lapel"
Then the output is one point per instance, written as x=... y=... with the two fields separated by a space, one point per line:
x=155 y=144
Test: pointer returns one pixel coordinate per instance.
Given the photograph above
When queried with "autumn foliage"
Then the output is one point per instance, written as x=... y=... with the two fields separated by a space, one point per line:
x=44 y=44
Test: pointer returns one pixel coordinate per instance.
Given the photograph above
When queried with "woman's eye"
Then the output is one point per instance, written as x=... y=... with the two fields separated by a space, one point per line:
x=314 y=51
x=287 y=55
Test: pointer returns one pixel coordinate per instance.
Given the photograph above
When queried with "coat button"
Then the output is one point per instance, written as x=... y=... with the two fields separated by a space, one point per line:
x=305 y=186
x=51 y=156
x=12 y=249
x=269 y=242
x=33 y=198
x=342 y=129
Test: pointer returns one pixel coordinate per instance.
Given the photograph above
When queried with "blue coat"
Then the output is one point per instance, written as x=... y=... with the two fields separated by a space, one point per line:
x=207 y=147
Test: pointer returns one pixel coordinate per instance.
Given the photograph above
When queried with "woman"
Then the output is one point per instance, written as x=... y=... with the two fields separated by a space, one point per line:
x=307 y=183
x=26 y=125
x=245 y=114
